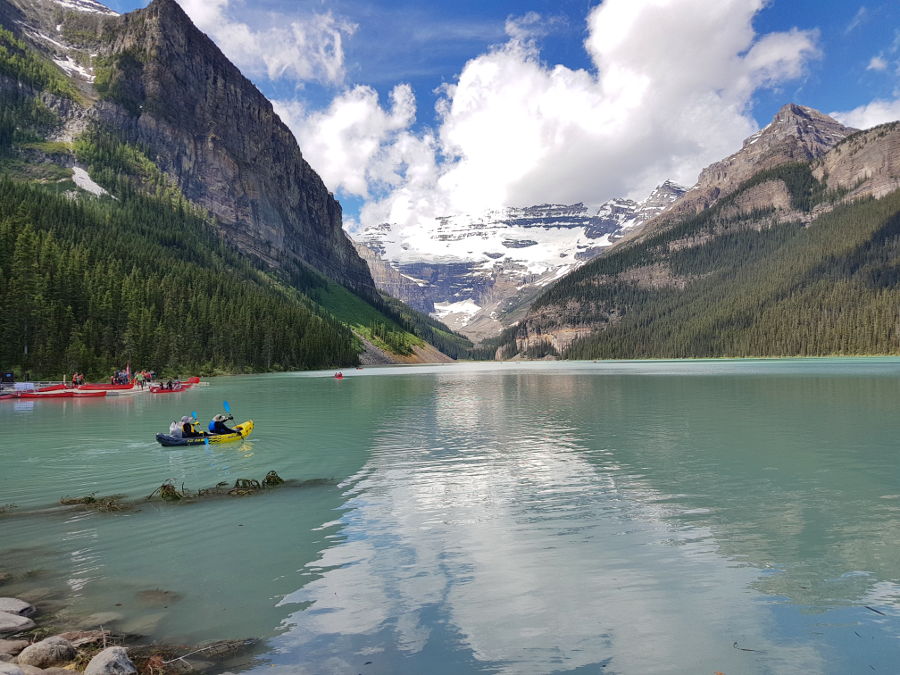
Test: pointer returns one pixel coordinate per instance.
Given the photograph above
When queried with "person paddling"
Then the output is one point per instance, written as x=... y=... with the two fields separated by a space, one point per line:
x=218 y=426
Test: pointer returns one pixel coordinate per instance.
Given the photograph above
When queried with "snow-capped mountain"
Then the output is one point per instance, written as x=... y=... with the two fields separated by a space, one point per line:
x=477 y=269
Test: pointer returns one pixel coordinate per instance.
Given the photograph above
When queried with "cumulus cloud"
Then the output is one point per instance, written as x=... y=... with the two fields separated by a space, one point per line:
x=669 y=92
x=309 y=48
x=870 y=115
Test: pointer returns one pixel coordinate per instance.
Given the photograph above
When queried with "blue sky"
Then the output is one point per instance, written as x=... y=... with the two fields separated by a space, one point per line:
x=411 y=110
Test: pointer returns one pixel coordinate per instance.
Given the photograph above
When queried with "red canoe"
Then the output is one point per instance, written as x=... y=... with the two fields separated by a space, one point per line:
x=163 y=390
x=4 y=397
x=193 y=380
x=49 y=394
x=88 y=394
x=106 y=387
x=53 y=387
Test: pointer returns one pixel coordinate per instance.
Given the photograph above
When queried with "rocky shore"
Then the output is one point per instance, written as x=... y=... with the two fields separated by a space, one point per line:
x=25 y=651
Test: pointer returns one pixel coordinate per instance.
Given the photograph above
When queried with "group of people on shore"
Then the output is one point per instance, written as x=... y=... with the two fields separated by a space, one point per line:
x=140 y=377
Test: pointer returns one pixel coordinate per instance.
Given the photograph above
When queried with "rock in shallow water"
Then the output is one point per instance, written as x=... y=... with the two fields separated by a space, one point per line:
x=111 y=661
x=13 y=623
x=50 y=652
x=16 y=606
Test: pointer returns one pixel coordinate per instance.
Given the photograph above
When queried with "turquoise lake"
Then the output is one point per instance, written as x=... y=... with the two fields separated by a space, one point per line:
x=618 y=517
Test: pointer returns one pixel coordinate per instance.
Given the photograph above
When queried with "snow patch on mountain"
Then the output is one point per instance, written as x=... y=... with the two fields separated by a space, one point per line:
x=86 y=6
x=73 y=68
x=466 y=308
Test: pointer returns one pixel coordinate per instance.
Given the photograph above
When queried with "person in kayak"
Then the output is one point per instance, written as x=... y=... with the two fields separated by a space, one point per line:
x=218 y=426
x=187 y=428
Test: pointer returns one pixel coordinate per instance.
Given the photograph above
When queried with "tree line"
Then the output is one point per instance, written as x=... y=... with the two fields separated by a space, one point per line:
x=91 y=285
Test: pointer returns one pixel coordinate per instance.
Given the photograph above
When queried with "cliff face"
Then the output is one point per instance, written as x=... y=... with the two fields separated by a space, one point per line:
x=411 y=291
x=168 y=88
x=866 y=164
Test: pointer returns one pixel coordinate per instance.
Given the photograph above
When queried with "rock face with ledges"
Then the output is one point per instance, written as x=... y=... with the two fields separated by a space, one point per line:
x=161 y=84
x=866 y=164
x=213 y=130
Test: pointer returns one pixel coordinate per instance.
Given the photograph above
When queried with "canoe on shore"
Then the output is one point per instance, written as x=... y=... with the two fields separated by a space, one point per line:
x=52 y=387
x=106 y=387
x=47 y=394
x=246 y=428
x=89 y=394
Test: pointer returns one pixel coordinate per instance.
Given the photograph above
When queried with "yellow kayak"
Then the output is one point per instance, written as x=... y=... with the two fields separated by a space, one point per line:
x=245 y=428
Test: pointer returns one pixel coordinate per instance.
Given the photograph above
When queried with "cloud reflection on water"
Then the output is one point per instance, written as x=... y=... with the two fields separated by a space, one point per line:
x=502 y=540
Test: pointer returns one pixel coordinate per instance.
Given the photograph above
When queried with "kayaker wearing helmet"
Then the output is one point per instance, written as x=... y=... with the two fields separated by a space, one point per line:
x=217 y=426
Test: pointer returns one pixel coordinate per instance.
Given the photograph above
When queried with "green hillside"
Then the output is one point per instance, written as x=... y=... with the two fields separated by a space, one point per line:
x=746 y=286
x=142 y=275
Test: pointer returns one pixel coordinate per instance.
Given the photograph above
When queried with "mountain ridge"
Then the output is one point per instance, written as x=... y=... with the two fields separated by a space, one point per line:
x=478 y=271
x=673 y=261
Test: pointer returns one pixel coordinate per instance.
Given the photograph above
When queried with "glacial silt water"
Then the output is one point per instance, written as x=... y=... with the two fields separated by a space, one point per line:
x=623 y=517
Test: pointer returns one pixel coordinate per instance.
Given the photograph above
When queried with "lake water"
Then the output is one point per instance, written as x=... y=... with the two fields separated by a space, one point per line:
x=624 y=517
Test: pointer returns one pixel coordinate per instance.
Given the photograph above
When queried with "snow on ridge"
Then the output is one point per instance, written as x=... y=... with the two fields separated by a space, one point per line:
x=73 y=68
x=47 y=38
x=467 y=308
x=86 y=6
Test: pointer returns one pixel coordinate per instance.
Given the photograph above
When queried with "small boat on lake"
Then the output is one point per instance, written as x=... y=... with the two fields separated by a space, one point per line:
x=174 y=390
x=245 y=429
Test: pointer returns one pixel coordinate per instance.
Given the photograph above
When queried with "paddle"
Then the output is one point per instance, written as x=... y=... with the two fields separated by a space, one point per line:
x=205 y=437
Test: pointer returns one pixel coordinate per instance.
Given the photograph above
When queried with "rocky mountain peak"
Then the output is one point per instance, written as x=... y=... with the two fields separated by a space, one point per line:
x=807 y=130
x=796 y=134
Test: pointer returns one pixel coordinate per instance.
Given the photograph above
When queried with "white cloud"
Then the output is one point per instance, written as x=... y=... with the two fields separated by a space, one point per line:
x=355 y=144
x=669 y=93
x=877 y=63
x=870 y=115
x=309 y=48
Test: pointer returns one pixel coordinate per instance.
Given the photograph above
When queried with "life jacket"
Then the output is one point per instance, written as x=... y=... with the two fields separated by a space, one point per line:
x=212 y=426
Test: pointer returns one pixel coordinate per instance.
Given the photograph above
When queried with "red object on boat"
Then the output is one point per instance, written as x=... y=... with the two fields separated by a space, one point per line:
x=88 y=394
x=163 y=390
x=339 y=376
x=193 y=380
x=49 y=394
x=107 y=387
x=53 y=387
